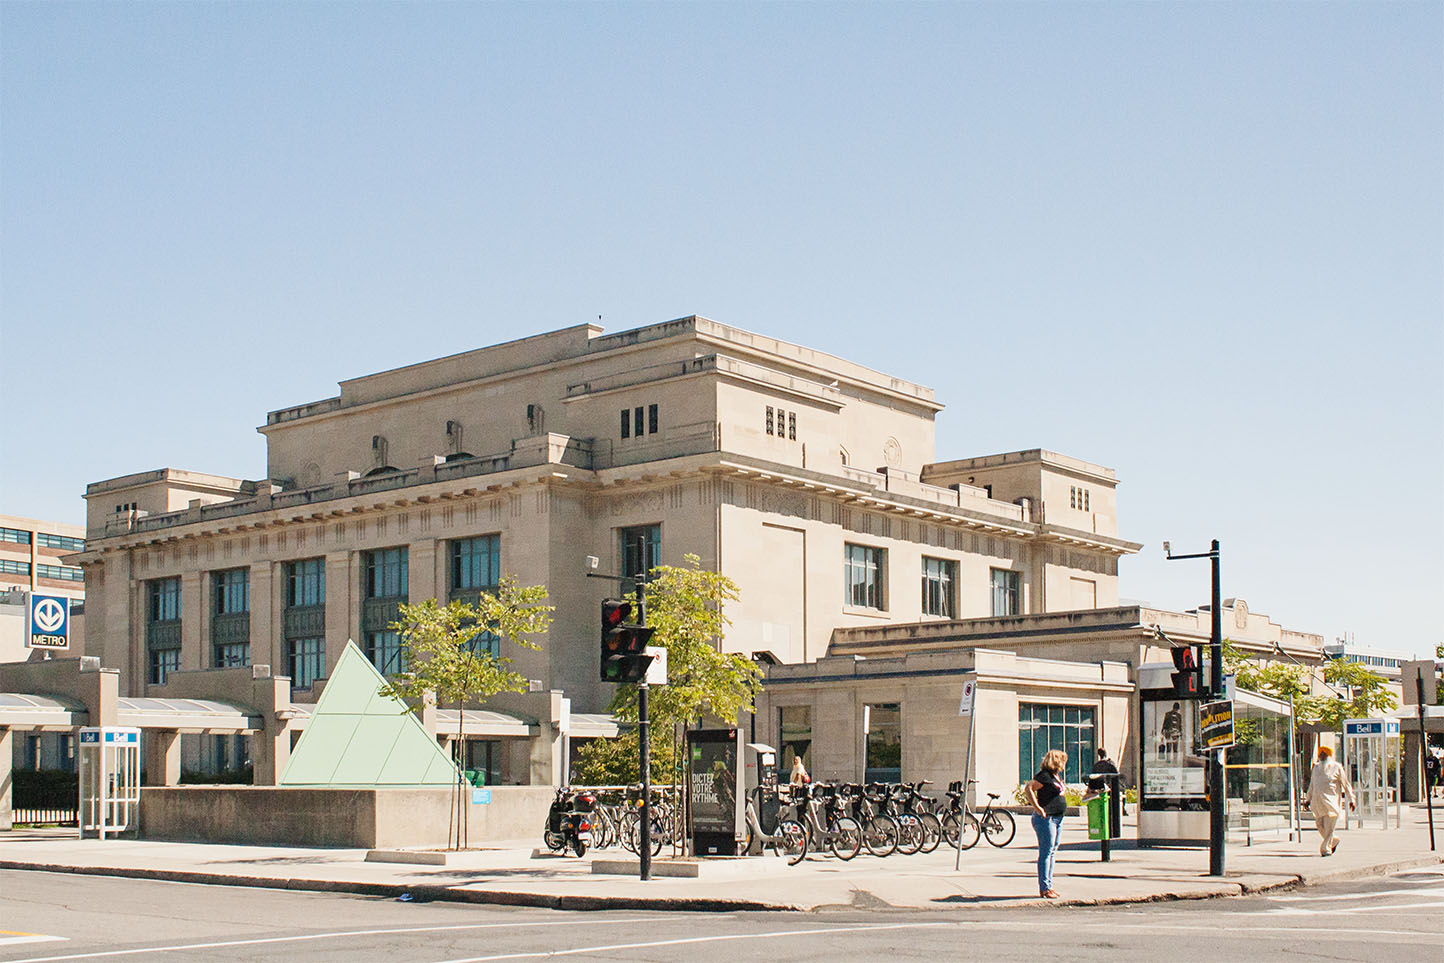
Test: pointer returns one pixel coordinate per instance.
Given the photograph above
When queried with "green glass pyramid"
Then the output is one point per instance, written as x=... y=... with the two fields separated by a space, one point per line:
x=358 y=737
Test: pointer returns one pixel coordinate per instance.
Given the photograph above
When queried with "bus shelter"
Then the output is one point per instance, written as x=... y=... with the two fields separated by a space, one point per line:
x=1371 y=759
x=1259 y=783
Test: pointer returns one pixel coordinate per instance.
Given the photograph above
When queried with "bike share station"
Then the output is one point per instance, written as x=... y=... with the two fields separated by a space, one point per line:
x=109 y=780
x=1370 y=753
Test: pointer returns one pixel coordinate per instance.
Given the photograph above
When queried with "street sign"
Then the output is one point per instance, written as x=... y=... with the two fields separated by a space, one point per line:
x=657 y=668
x=965 y=707
x=49 y=622
x=1371 y=727
x=1216 y=725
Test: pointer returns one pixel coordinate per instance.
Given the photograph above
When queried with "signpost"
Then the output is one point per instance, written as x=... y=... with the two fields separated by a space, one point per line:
x=49 y=622
x=965 y=708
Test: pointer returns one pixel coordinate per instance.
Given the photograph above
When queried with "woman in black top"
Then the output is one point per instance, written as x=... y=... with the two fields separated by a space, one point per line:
x=1045 y=794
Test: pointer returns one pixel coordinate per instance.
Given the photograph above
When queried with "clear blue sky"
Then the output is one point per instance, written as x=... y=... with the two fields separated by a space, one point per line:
x=1200 y=243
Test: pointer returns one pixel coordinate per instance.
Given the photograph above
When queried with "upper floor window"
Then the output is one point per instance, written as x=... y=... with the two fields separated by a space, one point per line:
x=863 y=576
x=1007 y=594
x=60 y=541
x=640 y=421
x=233 y=591
x=641 y=549
x=1078 y=498
x=164 y=602
x=305 y=583
x=939 y=577
x=783 y=424
x=476 y=562
x=386 y=574
x=14 y=535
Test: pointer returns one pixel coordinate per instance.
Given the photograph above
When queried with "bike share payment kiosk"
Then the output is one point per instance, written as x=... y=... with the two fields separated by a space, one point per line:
x=761 y=785
x=1371 y=750
x=109 y=780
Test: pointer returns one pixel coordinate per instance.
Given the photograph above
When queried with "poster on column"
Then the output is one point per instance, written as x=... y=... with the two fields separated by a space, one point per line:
x=1173 y=761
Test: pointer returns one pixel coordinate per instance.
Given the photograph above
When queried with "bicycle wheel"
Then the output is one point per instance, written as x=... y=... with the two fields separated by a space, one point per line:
x=932 y=831
x=636 y=846
x=1000 y=827
x=791 y=841
x=879 y=835
x=627 y=831
x=971 y=831
x=909 y=833
x=950 y=829
x=845 y=838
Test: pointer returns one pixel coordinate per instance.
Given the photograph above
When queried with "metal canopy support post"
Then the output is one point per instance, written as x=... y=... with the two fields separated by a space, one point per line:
x=1423 y=749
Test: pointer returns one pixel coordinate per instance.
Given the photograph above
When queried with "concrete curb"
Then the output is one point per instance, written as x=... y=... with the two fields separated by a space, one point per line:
x=425 y=893
x=420 y=893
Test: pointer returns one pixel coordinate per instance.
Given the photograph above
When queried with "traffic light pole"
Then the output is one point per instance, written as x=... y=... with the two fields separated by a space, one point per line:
x=1216 y=823
x=644 y=742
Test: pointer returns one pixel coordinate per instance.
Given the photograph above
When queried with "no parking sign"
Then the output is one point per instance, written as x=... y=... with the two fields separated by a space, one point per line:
x=49 y=622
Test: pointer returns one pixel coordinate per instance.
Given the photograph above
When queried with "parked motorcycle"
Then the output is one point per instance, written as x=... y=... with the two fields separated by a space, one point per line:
x=569 y=821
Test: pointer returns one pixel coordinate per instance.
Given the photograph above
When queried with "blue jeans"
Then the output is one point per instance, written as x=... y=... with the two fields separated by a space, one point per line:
x=1049 y=829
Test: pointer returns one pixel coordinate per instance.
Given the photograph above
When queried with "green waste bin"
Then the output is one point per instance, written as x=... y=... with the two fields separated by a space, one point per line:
x=475 y=776
x=1098 y=809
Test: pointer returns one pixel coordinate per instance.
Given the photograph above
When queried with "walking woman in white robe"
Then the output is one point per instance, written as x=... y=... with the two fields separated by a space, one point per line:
x=1328 y=789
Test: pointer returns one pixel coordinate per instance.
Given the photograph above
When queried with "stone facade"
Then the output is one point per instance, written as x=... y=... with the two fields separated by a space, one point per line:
x=764 y=459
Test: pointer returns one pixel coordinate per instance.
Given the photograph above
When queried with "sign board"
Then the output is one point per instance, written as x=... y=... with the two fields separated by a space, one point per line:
x=1371 y=727
x=480 y=797
x=565 y=722
x=1421 y=669
x=110 y=736
x=965 y=707
x=657 y=669
x=49 y=622
x=1216 y=725
x=712 y=790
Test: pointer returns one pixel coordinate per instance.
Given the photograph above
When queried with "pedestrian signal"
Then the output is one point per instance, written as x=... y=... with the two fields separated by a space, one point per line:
x=624 y=645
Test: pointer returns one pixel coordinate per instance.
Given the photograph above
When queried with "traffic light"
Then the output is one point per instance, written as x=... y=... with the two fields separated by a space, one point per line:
x=624 y=645
x=1186 y=680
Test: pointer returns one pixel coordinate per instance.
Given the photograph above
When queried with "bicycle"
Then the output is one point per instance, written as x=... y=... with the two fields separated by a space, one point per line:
x=963 y=828
x=826 y=822
x=910 y=833
x=879 y=832
x=790 y=838
x=921 y=806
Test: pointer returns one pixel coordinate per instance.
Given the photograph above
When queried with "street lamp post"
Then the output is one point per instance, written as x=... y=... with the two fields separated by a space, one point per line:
x=1215 y=686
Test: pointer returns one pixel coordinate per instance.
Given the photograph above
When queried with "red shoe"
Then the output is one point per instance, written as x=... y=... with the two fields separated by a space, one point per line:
x=1050 y=894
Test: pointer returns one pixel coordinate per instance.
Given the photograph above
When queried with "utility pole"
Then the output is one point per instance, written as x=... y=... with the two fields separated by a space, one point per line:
x=644 y=734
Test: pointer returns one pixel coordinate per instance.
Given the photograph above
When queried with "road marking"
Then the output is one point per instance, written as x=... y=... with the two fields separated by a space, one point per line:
x=15 y=938
x=341 y=934
x=1333 y=910
x=1415 y=891
x=771 y=934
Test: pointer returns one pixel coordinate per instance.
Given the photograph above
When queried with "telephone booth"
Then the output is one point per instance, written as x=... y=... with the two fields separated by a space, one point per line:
x=109 y=780
x=1370 y=756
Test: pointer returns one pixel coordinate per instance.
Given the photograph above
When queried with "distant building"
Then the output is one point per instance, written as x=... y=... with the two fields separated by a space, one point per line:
x=1385 y=663
x=32 y=560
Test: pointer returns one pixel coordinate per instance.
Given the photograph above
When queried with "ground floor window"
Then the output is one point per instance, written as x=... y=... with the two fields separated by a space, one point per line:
x=483 y=756
x=794 y=737
x=308 y=661
x=162 y=663
x=1070 y=728
x=384 y=651
x=883 y=724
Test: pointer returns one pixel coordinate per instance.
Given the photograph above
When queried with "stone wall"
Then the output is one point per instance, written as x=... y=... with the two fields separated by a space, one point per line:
x=352 y=818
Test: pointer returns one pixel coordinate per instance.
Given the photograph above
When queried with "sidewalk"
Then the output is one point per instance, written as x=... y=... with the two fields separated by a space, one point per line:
x=509 y=874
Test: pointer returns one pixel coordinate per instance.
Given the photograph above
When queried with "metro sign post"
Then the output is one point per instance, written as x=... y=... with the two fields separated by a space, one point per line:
x=49 y=622
x=965 y=708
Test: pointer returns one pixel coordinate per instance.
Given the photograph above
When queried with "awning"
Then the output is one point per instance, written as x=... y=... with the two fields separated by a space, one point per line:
x=19 y=710
x=186 y=715
x=481 y=722
x=593 y=725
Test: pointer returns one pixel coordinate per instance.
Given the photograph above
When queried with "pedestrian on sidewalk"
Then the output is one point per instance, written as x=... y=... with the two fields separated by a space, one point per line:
x=1328 y=788
x=1432 y=769
x=799 y=775
x=1097 y=781
x=1045 y=792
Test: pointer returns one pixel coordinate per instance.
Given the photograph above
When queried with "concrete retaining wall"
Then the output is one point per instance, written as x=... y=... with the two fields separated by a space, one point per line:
x=353 y=818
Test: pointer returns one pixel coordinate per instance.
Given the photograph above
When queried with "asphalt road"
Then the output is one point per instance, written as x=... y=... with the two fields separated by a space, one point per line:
x=55 y=917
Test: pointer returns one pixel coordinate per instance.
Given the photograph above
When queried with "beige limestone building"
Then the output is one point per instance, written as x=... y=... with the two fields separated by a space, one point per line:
x=809 y=479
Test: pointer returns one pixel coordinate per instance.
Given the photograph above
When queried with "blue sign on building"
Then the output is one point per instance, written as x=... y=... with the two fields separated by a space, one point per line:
x=49 y=622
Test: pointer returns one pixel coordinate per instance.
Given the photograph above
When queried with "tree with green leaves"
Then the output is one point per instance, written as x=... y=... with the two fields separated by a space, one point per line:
x=450 y=657
x=686 y=607
x=1359 y=692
